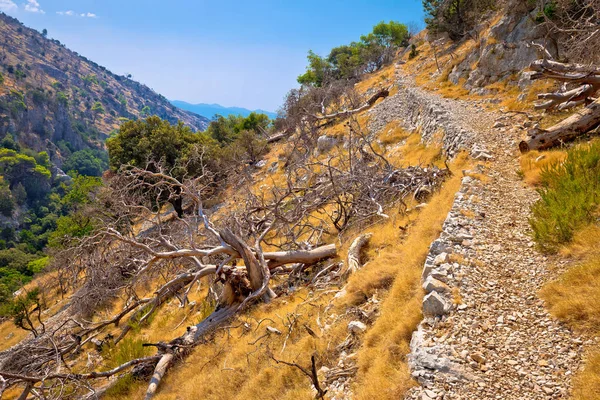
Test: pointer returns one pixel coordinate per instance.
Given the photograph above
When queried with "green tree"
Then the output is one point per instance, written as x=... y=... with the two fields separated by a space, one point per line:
x=27 y=308
x=62 y=98
x=144 y=143
x=226 y=130
x=8 y=142
x=97 y=109
x=19 y=193
x=45 y=32
x=317 y=72
x=22 y=169
x=455 y=17
x=87 y=162
x=145 y=111
x=7 y=202
x=80 y=191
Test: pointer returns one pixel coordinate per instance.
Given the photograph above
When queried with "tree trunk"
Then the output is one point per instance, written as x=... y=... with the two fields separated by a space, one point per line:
x=353 y=263
x=256 y=271
x=159 y=372
x=566 y=130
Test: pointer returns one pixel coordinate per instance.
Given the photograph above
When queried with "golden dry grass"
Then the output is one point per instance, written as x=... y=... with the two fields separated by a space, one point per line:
x=383 y=372
x=533 y=162
x=383 y=78
x=414 y=152
x=586 y=384
x=575 y=299
x=235 y=364
x=392 y=133
x=10 y=334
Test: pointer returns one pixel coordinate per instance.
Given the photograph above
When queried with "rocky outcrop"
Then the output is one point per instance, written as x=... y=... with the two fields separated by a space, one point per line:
x=512 y=44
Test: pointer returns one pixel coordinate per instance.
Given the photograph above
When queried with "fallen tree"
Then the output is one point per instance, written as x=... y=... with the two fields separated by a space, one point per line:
x=225 y=253
x=381 y=94
x=588 y=80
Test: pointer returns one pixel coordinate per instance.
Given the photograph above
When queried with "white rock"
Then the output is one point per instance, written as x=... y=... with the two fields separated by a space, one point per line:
x=325 y=143
x=356 y=327
x=440 y=259
x=434 y=285
x=435 y=305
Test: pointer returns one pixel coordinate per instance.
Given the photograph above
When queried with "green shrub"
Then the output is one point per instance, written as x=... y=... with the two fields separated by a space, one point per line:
x=570 y=196
x=549 y=12
x=413 y=52
x=128 y=349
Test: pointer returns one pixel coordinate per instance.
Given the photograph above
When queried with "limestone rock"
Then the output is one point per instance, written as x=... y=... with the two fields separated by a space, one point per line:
x=356 y=327
x=325 y=143
x=434 y=305
x=434 y=285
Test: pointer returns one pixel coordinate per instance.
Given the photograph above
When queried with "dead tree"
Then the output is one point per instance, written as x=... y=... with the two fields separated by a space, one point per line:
x=149 y=256
x=587 y=79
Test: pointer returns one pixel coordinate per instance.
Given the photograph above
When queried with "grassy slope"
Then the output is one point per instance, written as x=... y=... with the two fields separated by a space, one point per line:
x=575 y=296
x=235 y=364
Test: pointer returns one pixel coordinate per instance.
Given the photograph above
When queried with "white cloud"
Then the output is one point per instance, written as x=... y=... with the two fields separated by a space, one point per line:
x=7 y=5
x=34 y=7
x=72 y=13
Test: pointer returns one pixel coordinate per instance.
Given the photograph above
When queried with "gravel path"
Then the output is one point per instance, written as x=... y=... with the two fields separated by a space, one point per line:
x=499 y=342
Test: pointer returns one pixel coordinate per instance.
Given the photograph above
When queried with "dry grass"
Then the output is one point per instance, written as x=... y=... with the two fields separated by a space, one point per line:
x=234 y=365
x=414 y=152
x=383 y=372
x=533 y=162
x=586 y=384
x=383 y=78
x=575 y=299
x=10 y=334
x=575 y=296
x=392 y=133
x=452 y=91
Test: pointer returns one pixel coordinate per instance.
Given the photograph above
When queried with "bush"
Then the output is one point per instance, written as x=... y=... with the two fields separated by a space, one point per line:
x=570 y=196
x=413 y=52
x=87 y=162
x=7 y=202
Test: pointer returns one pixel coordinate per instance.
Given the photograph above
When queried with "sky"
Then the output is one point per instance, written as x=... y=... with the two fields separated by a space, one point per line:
x=234 y=53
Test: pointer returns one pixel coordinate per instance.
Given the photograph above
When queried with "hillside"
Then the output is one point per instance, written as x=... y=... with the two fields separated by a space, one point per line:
x=210 y=110
x=397 y=234
x=56 y=100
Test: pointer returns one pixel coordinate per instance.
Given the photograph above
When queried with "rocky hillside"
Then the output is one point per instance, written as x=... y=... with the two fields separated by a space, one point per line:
x=54 y=99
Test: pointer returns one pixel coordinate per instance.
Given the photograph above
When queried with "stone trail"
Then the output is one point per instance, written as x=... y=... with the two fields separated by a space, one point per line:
x=486 y=334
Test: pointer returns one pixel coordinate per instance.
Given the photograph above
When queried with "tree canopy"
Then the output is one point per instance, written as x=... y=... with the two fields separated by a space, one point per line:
x=154 y=140
x=350 y=61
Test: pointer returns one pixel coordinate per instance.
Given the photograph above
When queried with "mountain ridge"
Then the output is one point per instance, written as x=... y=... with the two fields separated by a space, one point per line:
x=210 y=110
x=56 y=100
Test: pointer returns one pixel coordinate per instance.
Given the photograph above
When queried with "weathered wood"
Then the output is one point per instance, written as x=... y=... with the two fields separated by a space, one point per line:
x=383 y=93
x=574 y=97
x=256 y=271
x=577 y=124
x=278 y=258
x=159 y=372
x=353 y=263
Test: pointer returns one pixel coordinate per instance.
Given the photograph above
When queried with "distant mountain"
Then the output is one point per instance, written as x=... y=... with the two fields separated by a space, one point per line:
x=53 y=99
x=209 y=110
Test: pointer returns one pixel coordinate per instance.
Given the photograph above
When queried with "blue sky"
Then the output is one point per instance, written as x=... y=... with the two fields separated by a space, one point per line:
x=235 y=53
